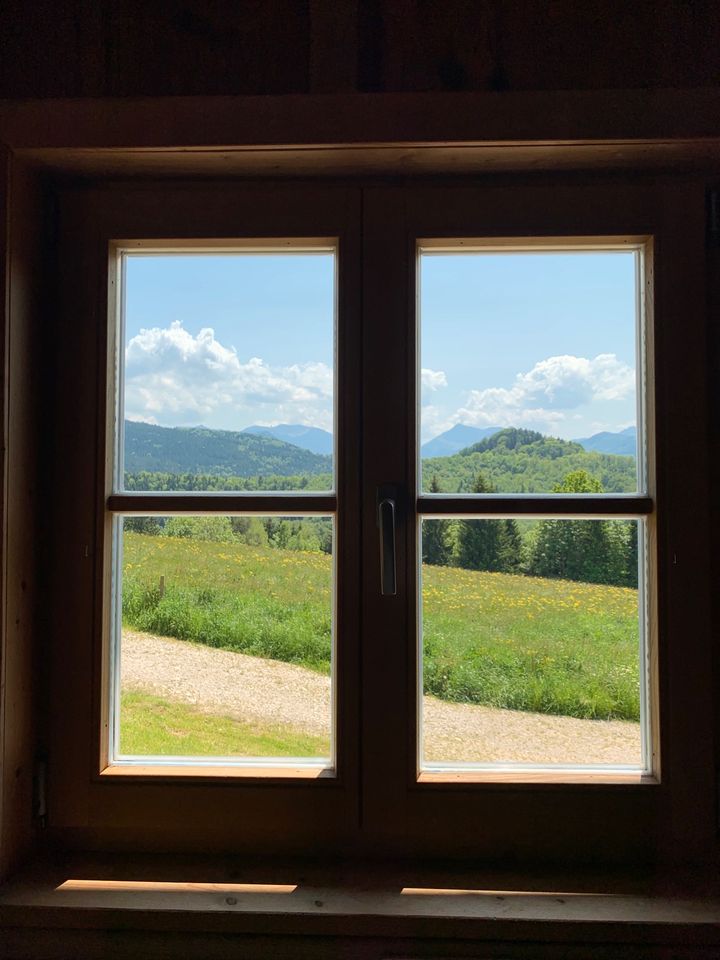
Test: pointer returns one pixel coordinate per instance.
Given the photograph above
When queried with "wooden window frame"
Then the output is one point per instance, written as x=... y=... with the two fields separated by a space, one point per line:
x=230 y=807
x=120 y=502
x=388 y=808
x=519 y=816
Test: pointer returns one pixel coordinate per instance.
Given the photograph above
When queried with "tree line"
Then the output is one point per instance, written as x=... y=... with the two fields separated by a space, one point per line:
x=310 y=533
x=588 y=551
x=523 y=461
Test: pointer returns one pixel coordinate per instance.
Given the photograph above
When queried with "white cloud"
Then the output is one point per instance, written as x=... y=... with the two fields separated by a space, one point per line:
x=178 y=379
x=432 y=379
x=544 y=395
x=434 y=420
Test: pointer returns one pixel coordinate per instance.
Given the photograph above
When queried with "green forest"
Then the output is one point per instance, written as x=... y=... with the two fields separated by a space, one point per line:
x=523 y=461
x=511 y=460
x=586 y=551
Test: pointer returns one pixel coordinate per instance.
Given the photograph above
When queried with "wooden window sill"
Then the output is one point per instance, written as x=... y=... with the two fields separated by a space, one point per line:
x=226 y=896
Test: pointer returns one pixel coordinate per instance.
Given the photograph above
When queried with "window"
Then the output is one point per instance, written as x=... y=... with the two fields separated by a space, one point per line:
x=232 y=664
x=541 y=617
x=374 y=779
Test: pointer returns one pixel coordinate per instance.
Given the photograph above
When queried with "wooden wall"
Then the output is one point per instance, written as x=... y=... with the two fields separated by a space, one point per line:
x=118 y=48
x=20 y=545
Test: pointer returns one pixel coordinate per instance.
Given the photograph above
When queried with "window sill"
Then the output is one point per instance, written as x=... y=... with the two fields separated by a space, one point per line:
x=202 y=772
x=151 y=895
x=534 y=779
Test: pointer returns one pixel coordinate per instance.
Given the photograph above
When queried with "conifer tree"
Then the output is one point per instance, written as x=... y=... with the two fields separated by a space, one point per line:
x=492 y=545
x=589 y=551
x=436 y=548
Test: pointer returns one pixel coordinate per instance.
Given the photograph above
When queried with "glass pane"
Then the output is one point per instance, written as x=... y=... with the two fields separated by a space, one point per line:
x=529 y=367
x=227 y=371
x=532 y=639
x=224 y=644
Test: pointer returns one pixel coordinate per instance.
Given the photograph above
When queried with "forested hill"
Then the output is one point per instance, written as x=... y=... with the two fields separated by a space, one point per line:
x=523 y=461
x=226 y=453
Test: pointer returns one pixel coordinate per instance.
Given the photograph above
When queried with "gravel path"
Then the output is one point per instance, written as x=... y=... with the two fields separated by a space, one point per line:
x=268 y=692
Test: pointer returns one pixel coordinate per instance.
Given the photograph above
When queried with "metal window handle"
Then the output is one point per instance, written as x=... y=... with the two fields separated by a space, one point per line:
x=386 y=522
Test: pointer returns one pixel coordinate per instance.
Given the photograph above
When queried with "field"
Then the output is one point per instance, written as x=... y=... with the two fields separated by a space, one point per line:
x=153 y=726
x=503 y=640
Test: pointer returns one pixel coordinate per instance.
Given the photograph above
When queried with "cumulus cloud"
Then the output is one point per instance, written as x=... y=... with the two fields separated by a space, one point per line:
x=176 y=378
x=546 y=394
x=434 y=421
x=432 y=379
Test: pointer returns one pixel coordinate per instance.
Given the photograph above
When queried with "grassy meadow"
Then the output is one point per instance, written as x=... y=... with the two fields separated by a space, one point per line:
x=152 y=726
x=526 y=643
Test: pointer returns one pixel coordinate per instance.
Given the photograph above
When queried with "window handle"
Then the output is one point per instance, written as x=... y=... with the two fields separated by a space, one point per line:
x=386 y=523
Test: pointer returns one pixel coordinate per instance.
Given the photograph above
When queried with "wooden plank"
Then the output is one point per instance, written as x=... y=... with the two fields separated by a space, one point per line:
x=9 y=840
x=686 y=637
x=296 y=897
x=333 y=46
x=205 y=47
x=215 y=772
x=102 y=907
x=272 y=504
x=22 y=389
x=409 y=159
x=558 y=117
x=532 y=778
x=535 y=505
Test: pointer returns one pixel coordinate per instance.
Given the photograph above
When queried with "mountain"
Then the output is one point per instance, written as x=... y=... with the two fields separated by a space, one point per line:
x=523 y=461
x=309 y=438
x=455 y=439
x=623 y=442
x=199 y=450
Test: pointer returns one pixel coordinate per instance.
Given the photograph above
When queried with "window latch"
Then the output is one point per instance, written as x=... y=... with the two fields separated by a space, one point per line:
x=386 y=525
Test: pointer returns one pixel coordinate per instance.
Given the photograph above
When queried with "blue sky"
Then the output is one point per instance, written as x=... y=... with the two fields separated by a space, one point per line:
x=228 y=341
x=539 y=340
x=542 y=340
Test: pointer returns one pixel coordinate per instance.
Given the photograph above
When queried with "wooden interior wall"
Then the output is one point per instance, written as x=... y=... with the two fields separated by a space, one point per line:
x=20 y=545
x=116 y=48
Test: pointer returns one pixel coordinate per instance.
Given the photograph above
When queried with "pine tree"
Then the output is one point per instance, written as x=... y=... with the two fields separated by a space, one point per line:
x=436 y=548
x=492 y=545
x=511 y=546
x=589 y=551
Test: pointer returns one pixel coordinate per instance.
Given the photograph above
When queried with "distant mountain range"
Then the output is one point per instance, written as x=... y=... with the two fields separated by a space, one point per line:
x=524 y=461
x=461 y=436
x=309 y=438
x=624 y=442
x=514 y=460
x=455 y=439
x=199 y=450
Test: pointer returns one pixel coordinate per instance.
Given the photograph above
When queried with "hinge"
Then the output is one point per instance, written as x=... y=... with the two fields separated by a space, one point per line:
x=39 y=799
x=713 y=218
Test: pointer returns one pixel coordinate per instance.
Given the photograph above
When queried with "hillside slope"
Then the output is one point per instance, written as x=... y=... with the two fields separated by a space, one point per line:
x=199 y=450
x=308 y=438
x=522 y=461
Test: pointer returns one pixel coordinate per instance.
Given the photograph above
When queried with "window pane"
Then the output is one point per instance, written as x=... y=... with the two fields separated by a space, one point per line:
x=227 y=371
x=529 y=367
x=224 y=644
x=532 y=642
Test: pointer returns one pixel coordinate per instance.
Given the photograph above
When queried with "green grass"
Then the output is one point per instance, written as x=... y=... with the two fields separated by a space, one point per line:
x=525 y=643
x=156 y=727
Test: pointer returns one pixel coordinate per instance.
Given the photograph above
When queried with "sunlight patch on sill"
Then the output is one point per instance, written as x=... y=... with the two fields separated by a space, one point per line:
x=166 y=886
x=452 y=892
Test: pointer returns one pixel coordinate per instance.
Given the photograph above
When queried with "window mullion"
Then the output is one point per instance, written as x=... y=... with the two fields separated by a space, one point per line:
x=211 y=503
x=574 y=505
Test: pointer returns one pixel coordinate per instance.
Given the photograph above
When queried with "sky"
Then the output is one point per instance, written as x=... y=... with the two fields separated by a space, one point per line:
x=538 y=340
x=230 y=341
